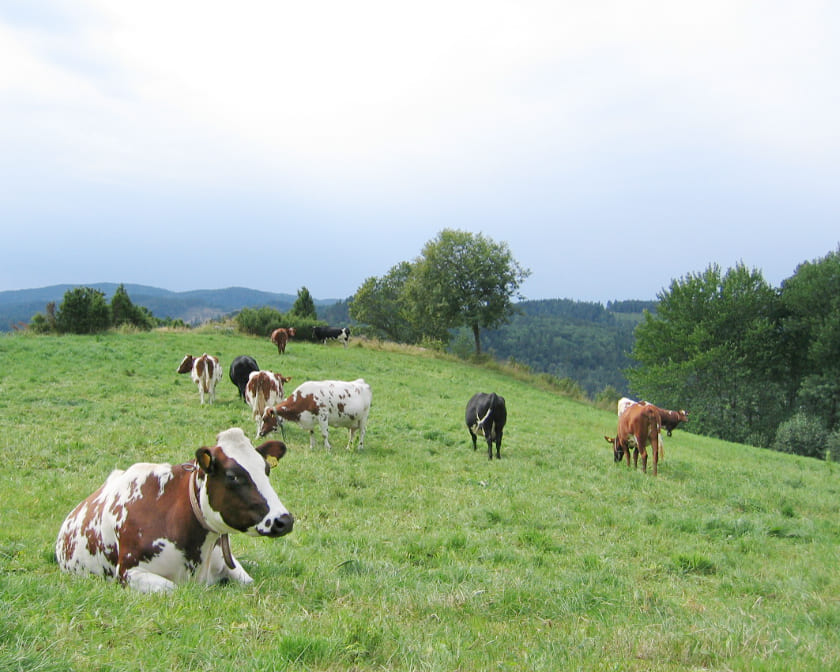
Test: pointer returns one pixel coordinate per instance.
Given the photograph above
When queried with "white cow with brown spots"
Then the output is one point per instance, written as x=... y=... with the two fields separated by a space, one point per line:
x=323 y=404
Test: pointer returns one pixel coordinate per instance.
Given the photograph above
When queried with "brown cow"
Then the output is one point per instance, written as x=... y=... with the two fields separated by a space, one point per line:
x=281 y=336
x=668 y=420
x=638 y=427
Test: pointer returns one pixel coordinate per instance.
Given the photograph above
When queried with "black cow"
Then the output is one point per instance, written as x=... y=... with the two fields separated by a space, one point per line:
x=323 y=333
x=240 y=370
x=486 y=413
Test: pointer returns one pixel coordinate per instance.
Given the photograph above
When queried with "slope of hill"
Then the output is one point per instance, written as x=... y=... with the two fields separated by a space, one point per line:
x=417 y=553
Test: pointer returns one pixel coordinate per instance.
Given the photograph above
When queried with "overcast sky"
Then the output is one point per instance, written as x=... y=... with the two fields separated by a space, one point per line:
x=615 y=146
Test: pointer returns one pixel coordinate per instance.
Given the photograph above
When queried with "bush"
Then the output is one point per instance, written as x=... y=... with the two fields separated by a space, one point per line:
x=262 y=321
x=802 y=435
x=832 y=446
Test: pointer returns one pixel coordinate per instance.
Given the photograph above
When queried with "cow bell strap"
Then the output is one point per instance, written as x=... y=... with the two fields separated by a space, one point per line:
x=224 y=539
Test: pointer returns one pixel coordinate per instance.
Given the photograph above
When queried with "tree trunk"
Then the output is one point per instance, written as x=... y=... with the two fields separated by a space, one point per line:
x=477 y=339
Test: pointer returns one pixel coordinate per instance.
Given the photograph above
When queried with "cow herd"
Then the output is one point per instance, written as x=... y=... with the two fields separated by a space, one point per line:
x=153 y=526
x=640 y=425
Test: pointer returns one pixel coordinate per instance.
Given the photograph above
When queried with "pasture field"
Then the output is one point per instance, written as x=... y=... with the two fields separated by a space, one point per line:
x=417 y=553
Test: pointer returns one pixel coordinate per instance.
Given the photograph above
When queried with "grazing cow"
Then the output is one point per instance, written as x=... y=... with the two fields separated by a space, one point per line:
x=638 y=427
x=240 y=369
x=280 y=337
x=205 y=372
x=670 y=420
x=486 y=413
x=153 y=526
x=324 y=333
x=264 y=389
x=323 y=404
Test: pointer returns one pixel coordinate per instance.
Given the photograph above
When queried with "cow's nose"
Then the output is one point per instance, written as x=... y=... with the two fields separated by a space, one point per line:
x=282 y=525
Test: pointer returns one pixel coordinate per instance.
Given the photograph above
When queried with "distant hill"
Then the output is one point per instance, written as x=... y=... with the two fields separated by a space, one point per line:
x=193 y=307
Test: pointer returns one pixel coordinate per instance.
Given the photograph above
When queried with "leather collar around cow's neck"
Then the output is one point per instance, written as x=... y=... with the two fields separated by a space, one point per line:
x=224 y=539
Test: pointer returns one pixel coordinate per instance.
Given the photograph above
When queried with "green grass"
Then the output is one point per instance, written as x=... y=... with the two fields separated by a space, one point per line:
x=418 y=553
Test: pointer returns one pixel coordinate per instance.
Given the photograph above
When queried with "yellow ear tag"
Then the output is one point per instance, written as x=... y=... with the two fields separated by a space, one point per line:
x=272 y=461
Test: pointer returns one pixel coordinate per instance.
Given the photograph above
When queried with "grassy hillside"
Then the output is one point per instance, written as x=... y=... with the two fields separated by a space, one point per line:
x=418 y=553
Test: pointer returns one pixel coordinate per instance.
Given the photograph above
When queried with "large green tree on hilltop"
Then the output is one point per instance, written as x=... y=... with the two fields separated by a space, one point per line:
x=466 y=279
x=460 y=279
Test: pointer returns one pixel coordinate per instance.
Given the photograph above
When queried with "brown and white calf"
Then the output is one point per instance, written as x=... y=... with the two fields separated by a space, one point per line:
x=264 y=389
x=281 y=336
x=323 y=404
x=154 y=526
x=205 y=372
x=638 y=427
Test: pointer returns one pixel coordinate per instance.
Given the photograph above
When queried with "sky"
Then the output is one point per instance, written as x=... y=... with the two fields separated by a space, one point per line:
x=614 y=146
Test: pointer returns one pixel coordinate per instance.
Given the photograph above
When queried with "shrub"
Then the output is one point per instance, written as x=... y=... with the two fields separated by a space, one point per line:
x=802 y=435
x=832 y=446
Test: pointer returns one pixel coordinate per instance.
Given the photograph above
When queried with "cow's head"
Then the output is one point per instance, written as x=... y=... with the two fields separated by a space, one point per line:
x=618 y=449
x=235 y=493
x=186 y=364
x=292 y=332
x=270 y=421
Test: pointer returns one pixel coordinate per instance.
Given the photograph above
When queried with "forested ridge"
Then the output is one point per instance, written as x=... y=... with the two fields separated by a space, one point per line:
x=583 y=341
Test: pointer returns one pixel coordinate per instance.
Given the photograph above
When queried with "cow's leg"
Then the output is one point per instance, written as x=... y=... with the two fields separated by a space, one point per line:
x=655 y=447
x=475 y=444
x=350 y=440
x=362 y=429
x=499 y=446
x=219 y=571
x=644 y=461
x=324 y=426
x=145 y=581
x=489 y=448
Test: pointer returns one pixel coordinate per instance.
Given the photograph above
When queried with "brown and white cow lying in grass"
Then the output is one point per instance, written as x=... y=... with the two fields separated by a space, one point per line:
x=153 y=526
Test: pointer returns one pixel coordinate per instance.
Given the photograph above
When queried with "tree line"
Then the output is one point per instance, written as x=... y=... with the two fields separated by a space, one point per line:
x=752 y=363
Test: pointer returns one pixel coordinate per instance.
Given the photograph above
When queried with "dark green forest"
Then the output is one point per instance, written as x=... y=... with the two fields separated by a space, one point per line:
x=585 y=342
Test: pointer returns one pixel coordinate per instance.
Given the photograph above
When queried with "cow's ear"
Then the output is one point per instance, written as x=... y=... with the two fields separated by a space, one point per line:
x=272 y=451
x=204 y=459
x=609 y=440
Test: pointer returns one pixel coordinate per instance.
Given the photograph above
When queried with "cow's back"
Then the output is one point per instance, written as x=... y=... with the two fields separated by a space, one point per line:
x=89 y=538
x=342 y=403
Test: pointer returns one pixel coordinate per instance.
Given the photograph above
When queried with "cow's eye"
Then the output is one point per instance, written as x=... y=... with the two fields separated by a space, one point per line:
x=233 y=479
